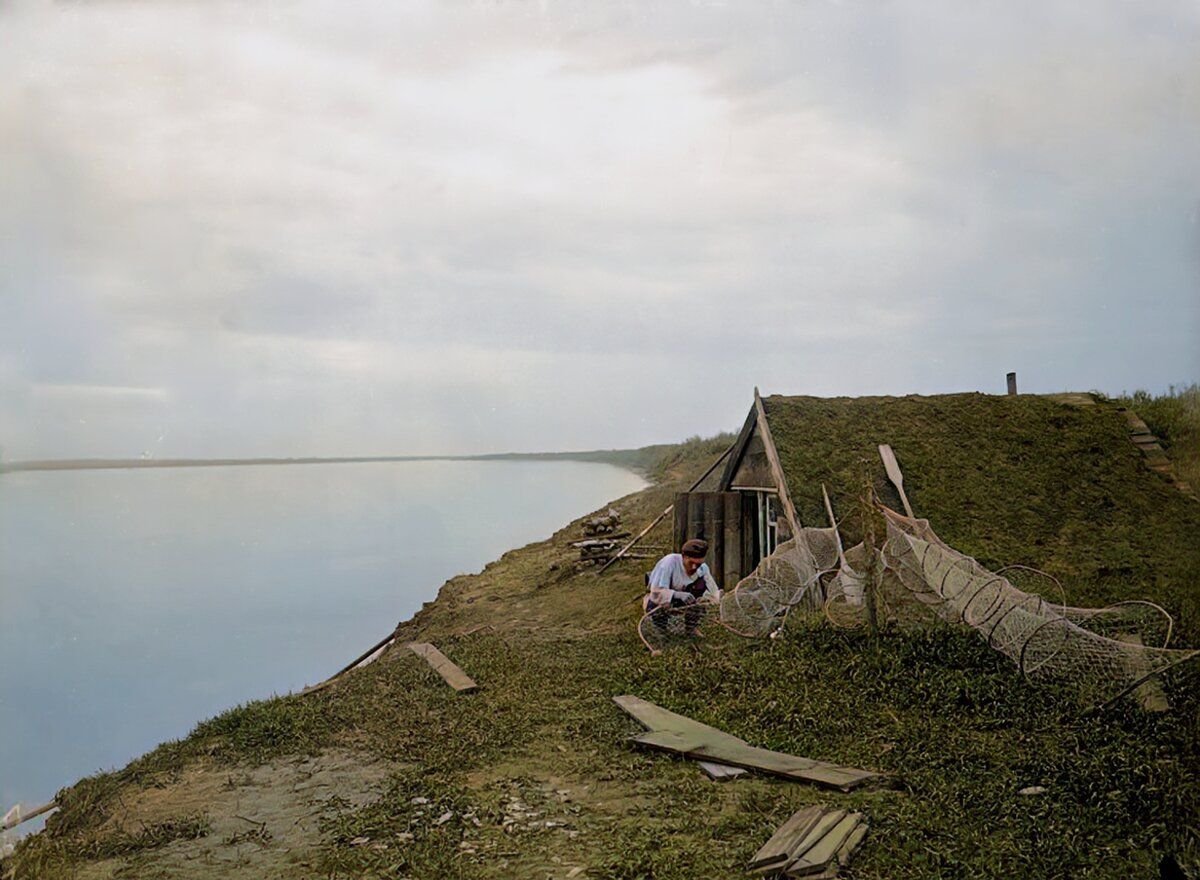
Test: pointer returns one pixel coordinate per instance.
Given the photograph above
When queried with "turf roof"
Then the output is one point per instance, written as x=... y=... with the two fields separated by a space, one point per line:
x=1026 y=479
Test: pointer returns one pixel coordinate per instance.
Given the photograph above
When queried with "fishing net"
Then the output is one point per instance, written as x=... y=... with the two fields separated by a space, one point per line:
x=1102 y=653
x=794 y=575
x=669 y=626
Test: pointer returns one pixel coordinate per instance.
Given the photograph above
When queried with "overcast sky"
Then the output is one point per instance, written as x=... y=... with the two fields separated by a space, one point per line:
x=331 y=228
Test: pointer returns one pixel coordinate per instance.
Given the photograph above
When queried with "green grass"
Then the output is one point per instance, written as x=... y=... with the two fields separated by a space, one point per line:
x=56 y=856
x=1008 y=480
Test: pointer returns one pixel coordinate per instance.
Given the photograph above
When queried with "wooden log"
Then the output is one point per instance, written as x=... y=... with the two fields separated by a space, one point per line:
x=664 y=514
x=442 y=665
x=607 y=539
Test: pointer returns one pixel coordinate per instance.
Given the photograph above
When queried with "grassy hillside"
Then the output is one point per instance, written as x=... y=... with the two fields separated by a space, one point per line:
x=1025 y=479
x=538 y=781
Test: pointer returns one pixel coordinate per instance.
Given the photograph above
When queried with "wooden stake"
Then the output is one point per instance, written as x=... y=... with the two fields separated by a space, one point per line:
x=867 y=510
x=666 y=512
x=833 y=522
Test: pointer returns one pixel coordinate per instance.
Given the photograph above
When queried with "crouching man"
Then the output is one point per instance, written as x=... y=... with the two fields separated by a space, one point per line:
x=679 y=580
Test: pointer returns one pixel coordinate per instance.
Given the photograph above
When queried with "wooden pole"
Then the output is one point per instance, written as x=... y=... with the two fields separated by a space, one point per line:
x=382 y=643
x=660 y=517
x=867 y=510
x=776 y=468
x=833 y=522
x=15 y=817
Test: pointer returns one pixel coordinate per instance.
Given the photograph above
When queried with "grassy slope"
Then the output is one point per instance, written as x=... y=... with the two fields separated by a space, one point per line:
x=961 y=732
x=1009 y=480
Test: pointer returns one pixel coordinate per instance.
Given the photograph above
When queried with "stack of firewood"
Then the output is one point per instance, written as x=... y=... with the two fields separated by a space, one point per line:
x=604 y=524
x=598 y=550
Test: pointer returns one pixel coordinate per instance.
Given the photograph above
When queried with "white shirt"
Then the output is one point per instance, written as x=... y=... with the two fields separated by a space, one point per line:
x=668 y=579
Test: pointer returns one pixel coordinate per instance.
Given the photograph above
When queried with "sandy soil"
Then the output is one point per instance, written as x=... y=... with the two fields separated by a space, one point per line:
x=264 y=820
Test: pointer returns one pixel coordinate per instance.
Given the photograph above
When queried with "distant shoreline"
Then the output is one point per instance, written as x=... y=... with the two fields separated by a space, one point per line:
x=632 y=459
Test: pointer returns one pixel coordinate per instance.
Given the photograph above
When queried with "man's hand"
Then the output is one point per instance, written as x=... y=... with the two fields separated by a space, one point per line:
x=689 y=599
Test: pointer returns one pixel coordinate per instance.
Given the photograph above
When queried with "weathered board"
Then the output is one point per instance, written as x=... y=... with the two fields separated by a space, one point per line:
x=847 y=850
x=720 y=772
x=817 y=858
x=654 y=717
x=778 y=850
x=441 y=664
x=675 y=733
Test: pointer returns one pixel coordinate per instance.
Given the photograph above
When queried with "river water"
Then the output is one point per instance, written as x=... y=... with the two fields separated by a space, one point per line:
x=135 y=603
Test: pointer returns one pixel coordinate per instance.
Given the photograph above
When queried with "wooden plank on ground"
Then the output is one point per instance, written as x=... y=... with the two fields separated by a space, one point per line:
x=442 y=665
x=778 y=850
x=847 y=850
x=654 y=717
x=824 y=825
x=817 y=857
x=738 y=754
x=675 y=733
x=720 y=772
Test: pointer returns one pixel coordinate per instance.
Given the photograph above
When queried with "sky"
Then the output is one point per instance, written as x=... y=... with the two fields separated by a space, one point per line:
x=299 y=228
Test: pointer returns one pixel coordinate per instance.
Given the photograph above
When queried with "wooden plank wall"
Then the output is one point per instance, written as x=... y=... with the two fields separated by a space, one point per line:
x=720 y=519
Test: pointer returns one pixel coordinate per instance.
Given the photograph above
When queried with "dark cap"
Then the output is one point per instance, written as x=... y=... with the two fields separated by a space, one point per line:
x=695 y=548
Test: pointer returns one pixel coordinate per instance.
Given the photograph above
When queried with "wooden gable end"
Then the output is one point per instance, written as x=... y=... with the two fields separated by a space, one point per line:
x=748 y=467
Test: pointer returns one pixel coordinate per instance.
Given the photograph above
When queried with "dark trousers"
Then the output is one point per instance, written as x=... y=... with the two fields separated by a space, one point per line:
x=691 y=617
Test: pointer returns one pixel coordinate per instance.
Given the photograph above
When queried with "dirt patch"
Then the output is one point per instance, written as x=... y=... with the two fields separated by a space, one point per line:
x=265 y=821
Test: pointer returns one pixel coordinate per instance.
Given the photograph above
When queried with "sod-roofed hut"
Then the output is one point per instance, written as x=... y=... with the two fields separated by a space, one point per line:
x=1060 y=482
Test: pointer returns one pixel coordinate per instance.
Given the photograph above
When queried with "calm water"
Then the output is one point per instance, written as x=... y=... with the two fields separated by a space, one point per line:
x=135 y=603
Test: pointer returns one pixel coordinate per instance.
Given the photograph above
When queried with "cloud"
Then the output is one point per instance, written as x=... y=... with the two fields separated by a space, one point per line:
x=420 y=227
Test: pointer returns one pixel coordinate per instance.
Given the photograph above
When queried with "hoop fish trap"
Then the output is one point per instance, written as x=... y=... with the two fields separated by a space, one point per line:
x=793 y=575
x=1103 y=653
